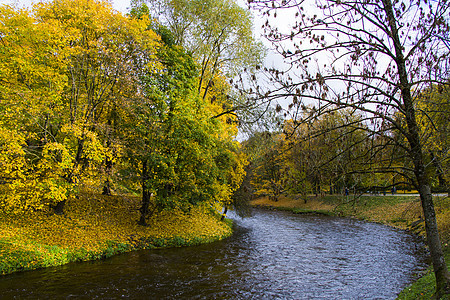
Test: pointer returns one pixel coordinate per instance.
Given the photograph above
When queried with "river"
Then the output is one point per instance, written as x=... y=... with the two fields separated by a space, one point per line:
x=272 y=255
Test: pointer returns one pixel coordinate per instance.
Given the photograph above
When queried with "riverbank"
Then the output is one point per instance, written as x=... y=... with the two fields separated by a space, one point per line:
x=400 y=211
x=98 y=227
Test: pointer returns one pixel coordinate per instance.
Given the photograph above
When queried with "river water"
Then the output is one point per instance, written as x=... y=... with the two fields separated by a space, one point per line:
x=272 y=255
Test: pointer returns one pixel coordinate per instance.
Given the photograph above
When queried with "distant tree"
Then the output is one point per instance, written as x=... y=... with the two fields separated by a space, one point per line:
x=318 y=151
x=373 y=57
x=264 y=151
x=433 y=108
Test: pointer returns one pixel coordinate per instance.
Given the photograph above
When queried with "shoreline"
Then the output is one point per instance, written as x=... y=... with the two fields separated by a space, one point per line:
x=103 y=228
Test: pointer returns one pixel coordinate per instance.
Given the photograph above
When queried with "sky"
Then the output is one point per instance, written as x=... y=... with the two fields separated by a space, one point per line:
x=121 y=5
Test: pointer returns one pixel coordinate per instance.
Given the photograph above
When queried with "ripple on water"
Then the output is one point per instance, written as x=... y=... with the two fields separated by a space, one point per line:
x=273 y=255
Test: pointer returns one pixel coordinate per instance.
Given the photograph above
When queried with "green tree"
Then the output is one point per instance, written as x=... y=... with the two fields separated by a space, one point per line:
x=181 y=151
x=218 y=34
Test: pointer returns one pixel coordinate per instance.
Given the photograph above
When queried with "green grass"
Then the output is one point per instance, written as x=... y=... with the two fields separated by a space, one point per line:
x=311 y=211
x=368 y=201
x=22 y=256
x=424 y=287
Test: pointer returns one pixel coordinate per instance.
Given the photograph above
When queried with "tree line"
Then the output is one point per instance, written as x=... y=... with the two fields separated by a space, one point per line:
x=329 y=154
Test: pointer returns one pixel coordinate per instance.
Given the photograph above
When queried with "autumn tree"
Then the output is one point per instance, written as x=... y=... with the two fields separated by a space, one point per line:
x=318 y=156
x=68 y=73
x=373 y=57
x=32 y=76
x=266 y=163
x=101 y=75
x=312 y=157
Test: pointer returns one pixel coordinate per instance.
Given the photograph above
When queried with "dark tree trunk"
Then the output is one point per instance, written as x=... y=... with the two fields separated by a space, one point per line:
x=79 y=150
x=108 y=164
x=144 y=209
x=416 y=153
x=437 y=255
x=107 y=188
x=108 y=171
x=225 y=210
x=59 y=207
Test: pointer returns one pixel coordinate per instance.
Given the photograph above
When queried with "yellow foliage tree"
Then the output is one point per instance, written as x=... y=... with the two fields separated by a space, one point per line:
x=67 y=68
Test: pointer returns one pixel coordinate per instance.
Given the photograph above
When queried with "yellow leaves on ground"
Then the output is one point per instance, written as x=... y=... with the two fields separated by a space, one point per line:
x=93 y=222
x=289 y=202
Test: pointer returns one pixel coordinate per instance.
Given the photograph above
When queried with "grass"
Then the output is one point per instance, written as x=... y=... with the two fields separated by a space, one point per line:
x=400 y=211
x=423 y=288
x=96 y=227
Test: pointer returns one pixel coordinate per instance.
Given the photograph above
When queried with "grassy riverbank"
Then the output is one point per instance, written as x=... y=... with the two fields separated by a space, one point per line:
x=99 y=227
x=401 y=211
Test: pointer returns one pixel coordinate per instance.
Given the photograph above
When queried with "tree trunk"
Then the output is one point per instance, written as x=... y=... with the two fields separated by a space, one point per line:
x=416 y=154
x=224 y=213
x=144 y=209
x=423 y=183
x=59 y=207
x=437 y=256
x=107 y=188
x=108 y=163
x=108 y=171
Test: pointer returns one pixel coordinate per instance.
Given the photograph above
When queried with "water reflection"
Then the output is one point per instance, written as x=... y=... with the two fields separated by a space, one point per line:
x=272 y=255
